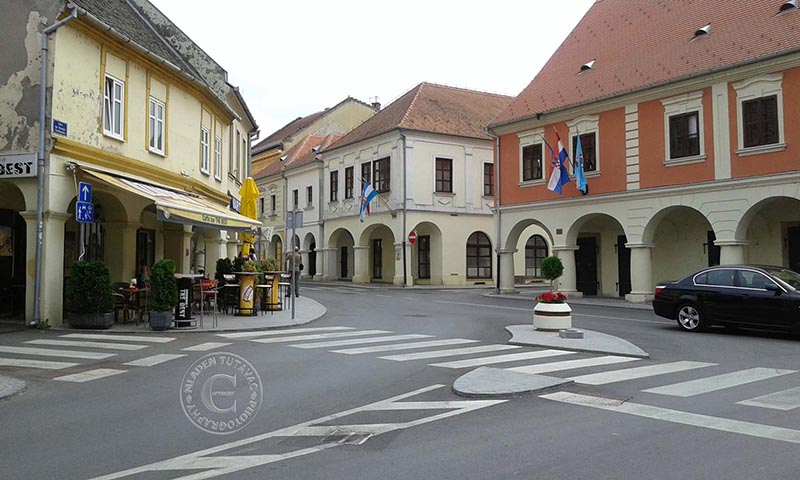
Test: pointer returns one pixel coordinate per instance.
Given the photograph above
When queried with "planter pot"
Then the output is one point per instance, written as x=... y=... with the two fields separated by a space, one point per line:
x=160 y=320
x=552 y=316
x=92 y=320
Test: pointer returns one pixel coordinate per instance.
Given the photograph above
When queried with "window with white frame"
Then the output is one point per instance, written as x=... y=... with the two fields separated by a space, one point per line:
x=113 y=107
x=531 y=156
x=309 y=196
x=334 y=185
x=683 y=128
x=444 y=175
x=588 y=127
x=204 y=150
x=759 y=114
x=156 y=115
x=273 y=205
x=218 y=158
x=295 y=199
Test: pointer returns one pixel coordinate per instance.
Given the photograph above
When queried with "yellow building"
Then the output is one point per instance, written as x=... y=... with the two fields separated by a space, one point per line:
x=139 y=112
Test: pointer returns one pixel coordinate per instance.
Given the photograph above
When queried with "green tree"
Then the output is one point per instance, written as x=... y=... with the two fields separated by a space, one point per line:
x=552 y=268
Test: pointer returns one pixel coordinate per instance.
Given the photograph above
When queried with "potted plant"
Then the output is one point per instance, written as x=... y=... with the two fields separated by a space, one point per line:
x=163 y=294
x=89 y=297
x=224 y=267
x=552 y=313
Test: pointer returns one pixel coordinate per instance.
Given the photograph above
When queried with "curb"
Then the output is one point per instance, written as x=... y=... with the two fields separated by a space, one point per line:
x=11 y=386
x=488 y=382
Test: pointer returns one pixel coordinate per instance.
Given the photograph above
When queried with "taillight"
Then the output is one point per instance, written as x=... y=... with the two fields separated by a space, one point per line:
x=659 y=288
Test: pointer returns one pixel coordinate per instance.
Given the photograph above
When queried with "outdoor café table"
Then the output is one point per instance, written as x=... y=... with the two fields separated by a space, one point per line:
x=274 y=302
x=183 y=311
x=247 y=289
x=129 y=299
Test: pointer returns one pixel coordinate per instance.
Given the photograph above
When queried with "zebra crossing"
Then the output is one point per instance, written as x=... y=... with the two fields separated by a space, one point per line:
x=442 y=353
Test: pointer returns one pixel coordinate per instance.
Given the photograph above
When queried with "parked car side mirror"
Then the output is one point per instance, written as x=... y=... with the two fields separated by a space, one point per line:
x=771 y=287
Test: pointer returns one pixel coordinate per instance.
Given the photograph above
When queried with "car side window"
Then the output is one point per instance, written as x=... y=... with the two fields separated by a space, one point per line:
x=752 y=279
x=701 y=279
x=721 y=278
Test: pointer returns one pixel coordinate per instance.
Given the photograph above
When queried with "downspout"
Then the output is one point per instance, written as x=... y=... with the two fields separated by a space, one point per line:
x=405 y=194
x=37 y=285
x=496 y=205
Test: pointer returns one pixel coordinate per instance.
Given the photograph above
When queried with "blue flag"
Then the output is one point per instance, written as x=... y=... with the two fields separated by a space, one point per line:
x=580 y=177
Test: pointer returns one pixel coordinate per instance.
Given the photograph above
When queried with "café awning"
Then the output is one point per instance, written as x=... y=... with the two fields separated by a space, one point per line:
x=176 y=207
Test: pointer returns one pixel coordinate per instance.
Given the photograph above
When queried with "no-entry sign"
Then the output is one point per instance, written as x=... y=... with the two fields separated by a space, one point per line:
x=412 y=237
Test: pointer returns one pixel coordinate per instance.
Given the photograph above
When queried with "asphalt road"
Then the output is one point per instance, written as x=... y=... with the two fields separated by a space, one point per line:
x=317 y=402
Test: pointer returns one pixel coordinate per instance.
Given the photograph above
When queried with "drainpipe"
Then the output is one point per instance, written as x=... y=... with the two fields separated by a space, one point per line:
x=405 y=194
x=496 y=204
x=37 y=285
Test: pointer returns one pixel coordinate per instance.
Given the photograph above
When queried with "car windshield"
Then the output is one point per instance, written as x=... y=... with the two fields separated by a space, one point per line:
x=787 y=276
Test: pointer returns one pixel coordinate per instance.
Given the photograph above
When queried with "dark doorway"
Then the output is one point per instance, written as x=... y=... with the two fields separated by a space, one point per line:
x=586 y=265
x=377 y=258
x=624 y=266
x=713 y=250
x=145 y=248
x=343 y=263
x=793 y=245
x=13 y=254
x=312 y=259
x=424 y=256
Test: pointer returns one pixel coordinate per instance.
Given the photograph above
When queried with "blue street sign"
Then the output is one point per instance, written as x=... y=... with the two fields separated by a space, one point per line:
x=85 y=192
x=59 y=128
x=84 y=212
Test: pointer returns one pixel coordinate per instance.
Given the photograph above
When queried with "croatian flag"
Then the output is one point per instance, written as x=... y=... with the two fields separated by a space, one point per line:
x=366 y=196
x=559 y=176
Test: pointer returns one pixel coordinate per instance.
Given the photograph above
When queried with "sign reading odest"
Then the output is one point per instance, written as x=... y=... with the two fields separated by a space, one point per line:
x=17 y=166
x=215 y=220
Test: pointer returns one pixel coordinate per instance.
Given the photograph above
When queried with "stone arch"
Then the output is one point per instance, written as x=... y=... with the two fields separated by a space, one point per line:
x=309 y=249
x=769 y=232
x=682 y=240
x=514 y=235
x=427 y=271
x=602 y=262
x=341 y=263
x=12 y=197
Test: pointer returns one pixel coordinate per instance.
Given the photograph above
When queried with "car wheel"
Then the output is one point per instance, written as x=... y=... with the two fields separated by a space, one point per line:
x=690 y=318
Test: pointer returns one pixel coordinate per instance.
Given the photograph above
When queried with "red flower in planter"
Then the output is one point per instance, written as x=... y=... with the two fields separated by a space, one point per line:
x=550 y=297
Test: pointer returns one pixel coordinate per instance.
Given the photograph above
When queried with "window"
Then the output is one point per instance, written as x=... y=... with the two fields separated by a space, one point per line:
x=295 y=199
x=365 y=174
x=424 y=257
x=380 y=170
x=309 y=196
x=444 y=175
x=532 y=162
x=479 y=256
x=156 y=126
x=334 y=185
x=204 y=150
x=348 y=182
x=587 y=150
x=243 y=160
x=261 y=207
x=588 y=127
x=218 y=158
x=760 y=121
x=272 y=205
x=759 y=116
x=684 y=137
x=535 y=253
x=488 y=179
x=721 y=277
x=113 y=108
x=683 y=128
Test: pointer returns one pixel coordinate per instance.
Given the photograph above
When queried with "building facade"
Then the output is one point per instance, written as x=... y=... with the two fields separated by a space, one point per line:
x=141 y=114
x=690 y=145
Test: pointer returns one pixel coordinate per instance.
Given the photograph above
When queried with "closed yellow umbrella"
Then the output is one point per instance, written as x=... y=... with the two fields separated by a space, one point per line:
x=249 y=194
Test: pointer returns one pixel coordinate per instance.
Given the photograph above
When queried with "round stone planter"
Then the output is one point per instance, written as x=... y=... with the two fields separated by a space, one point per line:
x=552 y=316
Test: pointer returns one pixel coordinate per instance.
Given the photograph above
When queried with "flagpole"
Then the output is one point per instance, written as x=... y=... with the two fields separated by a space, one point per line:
x=385 y=202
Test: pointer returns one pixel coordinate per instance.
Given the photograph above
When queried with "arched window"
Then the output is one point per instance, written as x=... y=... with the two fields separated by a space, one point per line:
x=479 y=256
x=535 y=252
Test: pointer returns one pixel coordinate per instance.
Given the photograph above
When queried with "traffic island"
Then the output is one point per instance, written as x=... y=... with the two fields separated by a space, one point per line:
x=10 y=386
x=488 y=382
x=592 y=342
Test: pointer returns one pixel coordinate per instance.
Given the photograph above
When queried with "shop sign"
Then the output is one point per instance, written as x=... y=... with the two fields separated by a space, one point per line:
x=18 y=165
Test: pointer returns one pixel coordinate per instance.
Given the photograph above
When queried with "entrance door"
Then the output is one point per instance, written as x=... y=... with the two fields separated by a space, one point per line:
x=343 y=263
x=793 y=244
x=623 y=265
x=145 y=248
x=713 y=250
x=312 y=259
x=424 y=256
x=586 y=265
x=377 y=258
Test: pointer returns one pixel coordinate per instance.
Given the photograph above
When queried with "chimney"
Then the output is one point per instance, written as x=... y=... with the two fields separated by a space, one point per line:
x=376 y=105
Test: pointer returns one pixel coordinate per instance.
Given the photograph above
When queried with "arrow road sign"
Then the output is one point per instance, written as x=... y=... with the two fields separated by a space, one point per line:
x=84 y=212
x=85 y=192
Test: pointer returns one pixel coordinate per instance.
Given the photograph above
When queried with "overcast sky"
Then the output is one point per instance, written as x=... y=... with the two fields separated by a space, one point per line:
x=293 y=58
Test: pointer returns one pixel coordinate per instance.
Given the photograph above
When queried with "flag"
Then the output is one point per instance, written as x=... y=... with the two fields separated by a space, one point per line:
x=555 y=174
x=580 y=177
x=366 y=196
x=559 y=176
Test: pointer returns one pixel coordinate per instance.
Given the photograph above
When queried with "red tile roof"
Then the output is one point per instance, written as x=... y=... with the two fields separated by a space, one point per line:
x=641 y=44
x=301 y=154
x=433 y=108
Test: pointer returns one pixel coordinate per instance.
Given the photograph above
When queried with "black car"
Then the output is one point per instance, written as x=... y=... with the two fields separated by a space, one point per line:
x=753 y=296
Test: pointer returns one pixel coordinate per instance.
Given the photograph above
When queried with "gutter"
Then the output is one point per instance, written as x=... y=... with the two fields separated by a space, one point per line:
x=37 y=285
x=496 y=204
x=405 y=196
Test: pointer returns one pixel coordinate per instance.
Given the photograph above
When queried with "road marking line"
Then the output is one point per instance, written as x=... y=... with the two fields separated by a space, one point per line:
x=90 y=375
x=783 y=400
x=638 y=372
x=128 y=338
x=511 y=357
x=384 y=296
x=204 y=347
x=45 y=352
x=319 y=336
x=154 y=359
x=280 y=332
x=405 y=346
x=404 y=357
x=719 y=382
x=683 y=418
x=72 y=343
x=25 y=363
x=358 y=341
x=571 y=364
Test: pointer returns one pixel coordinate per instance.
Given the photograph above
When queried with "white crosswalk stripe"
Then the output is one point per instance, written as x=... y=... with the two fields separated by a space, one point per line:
x=405 y=346
x=72 y=343
x=41 y=364
x=154 y=359
x=52 y=352
x=320 y=336
x=511 y=357
x=359 y=341
x=404 y=357
x=719 y=382
x=125 y=338
x=783 y=400
x=265 y=333
x=572 y=364
x=90 y=375
x=204 y=347
x=638 y=372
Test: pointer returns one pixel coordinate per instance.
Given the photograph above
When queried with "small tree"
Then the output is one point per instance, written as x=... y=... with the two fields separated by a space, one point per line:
x=164 y=286
x=552 y=268
x=89 y=288
x=238 y=263
x=224 y=267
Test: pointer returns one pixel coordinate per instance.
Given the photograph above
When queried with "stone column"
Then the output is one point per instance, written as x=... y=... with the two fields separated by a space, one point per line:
x=30 y=262
x=361 y=264
x=216 y=248
x=52 y=286
x=185 y=264
x=732 y=252
x=567 y=284
x=120 y=250
x=326 y=258
x=398 y=264
x=641 y=272
x=507 y=270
